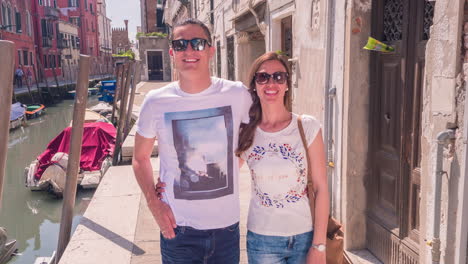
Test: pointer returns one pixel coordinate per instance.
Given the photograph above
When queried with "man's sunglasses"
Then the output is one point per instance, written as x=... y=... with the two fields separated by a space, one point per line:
x=197 y=44
x=278 y=77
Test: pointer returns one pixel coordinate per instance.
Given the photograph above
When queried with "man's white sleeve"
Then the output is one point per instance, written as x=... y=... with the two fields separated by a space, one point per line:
x=146 y=123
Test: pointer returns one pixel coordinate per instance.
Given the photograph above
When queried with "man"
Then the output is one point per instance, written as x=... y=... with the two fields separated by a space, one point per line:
x=196 y=121
x=19 y=77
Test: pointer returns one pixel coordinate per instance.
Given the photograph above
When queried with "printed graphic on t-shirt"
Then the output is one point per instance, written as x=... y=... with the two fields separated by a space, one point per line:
x=203 y=141
x=273 y=182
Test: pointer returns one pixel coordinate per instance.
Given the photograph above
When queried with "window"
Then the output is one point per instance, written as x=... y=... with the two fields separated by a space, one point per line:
x=45 y=62
x=25 y=57
x=59 y=58
x=57 y=31
x=47 y=28
x=75 y=21
x=51 y=61
x=18 y=21
x=86 y=4
x=91 y=8
x=31 y=58
x=4 y=14
x=43 y=27
x=28 y=24
x=19 y=57
x=40 y=2
x=73 y=3
x=8 y=18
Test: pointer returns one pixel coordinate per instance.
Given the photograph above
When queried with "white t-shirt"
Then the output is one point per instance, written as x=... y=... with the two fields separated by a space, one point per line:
x=197 y=136
x=278 y=165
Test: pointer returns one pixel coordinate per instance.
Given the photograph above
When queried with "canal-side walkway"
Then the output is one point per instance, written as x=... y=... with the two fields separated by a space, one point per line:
x=52 y=84
x=118 y=227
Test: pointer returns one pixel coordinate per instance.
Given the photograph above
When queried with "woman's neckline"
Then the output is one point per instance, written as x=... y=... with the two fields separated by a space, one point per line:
x=291 y=121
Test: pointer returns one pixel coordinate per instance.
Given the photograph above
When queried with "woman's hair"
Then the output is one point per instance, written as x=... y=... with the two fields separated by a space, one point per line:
x=247 y=131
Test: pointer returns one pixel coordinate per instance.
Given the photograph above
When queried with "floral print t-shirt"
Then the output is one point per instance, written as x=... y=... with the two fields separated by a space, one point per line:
x=278 y=165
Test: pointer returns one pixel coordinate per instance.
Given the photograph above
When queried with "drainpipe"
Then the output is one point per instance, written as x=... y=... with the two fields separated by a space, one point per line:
x=330 y=95
x=443 y=139
x=329 y=122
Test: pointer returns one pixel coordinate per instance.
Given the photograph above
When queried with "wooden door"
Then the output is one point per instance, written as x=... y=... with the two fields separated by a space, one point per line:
x=395 y=130
x=155 y=66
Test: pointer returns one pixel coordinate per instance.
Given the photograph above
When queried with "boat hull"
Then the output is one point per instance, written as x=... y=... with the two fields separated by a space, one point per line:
x=7 y=252
x=34 y=111
x=17 y=122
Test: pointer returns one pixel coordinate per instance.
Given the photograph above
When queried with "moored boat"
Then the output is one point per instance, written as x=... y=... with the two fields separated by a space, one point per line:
x=48 y=171
x=7 y=249
x=92 y=116
x=91 y=91
x=17 y=115
x=34 y=110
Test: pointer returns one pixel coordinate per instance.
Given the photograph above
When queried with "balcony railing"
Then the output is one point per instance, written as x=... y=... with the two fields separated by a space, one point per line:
x=51 y=12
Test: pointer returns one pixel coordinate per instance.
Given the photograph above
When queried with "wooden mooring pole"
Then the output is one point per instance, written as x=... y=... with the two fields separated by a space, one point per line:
x=39 y=90
x=136 y=74
x=122 y=114
x=6 y=88
x=74 y=155
x=118 y=86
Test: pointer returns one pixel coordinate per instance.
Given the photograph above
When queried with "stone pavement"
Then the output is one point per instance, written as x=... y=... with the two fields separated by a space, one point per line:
x=118 y=227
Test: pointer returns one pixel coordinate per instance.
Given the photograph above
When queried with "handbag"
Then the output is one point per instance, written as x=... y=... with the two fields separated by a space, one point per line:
x=335 y=233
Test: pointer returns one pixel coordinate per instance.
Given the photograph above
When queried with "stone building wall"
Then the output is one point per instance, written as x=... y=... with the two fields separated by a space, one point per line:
x=154 y=44
x=70 y=54
x=443 y=107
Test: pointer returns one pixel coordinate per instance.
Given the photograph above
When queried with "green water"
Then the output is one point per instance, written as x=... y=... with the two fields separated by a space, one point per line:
x=33 y=218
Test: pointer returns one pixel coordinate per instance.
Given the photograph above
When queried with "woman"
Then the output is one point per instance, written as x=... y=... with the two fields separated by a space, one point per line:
x=280 y=225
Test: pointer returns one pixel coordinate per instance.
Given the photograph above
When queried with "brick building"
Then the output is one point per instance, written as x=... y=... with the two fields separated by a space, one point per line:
x=83 y=13
x=152 y=16
x=16 y=25
x=46 y=32
x=120 y=41
x=105 y=37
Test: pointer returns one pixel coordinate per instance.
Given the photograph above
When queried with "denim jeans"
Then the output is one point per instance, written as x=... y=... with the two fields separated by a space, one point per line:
x=263 y=249
x=202 y=246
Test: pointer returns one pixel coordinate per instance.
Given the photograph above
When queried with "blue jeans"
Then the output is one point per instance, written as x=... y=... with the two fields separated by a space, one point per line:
x=278 y=249
x=202 y=246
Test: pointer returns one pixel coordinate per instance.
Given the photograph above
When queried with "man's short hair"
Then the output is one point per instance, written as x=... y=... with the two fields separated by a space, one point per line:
x=192 y=21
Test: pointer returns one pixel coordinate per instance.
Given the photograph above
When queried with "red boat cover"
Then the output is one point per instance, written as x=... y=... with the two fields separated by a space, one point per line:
x=98 y=142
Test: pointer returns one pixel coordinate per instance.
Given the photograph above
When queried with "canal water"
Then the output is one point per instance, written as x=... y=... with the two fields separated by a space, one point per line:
x=33 y=218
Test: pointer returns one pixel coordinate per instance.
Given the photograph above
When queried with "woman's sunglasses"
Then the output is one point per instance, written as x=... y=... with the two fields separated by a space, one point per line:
x=197 y=44
x=278 y=77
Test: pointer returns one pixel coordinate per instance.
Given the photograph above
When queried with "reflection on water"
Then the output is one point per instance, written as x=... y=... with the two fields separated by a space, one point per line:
x=33 y=218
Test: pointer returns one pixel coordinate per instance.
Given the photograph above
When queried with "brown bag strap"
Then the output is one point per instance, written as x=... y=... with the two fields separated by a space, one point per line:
x=310 y=184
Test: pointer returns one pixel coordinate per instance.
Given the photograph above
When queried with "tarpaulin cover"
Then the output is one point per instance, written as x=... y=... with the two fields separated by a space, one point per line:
x=98 y=142
x=17 y=110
